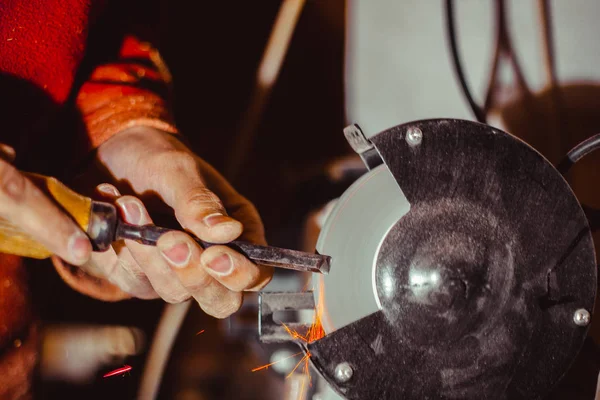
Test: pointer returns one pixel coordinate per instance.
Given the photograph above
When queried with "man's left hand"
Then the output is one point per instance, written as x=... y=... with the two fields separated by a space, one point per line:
x=153 y=165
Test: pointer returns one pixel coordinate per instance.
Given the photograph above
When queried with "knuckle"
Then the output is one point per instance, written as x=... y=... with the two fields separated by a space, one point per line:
x=173 y=296
x=12 y=183
x=200 y=285
x=224 y=309
x=202 y=197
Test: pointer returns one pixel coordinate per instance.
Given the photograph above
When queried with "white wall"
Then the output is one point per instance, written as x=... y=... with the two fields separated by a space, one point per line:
x=398 y=65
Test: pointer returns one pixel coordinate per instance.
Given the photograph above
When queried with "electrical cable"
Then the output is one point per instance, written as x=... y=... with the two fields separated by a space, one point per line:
x=575 y=154
x=578 y=152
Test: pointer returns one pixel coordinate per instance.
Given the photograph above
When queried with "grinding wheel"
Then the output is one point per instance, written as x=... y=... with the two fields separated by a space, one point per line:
x=462 y=268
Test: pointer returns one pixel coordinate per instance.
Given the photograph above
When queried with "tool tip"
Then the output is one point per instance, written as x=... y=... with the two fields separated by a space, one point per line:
x=325 y=265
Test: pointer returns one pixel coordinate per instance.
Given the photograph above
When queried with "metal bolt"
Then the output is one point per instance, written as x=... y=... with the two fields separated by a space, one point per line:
x=581 y=317
x=343 y=372
x=414 y=136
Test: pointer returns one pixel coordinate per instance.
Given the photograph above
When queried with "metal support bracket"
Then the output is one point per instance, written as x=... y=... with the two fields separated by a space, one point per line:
x=362 y=146
x=269 y=330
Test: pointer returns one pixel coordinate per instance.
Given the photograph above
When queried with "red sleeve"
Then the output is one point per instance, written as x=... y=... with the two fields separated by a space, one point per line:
x=131 y=91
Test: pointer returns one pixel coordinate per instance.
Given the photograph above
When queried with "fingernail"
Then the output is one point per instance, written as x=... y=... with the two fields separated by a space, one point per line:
x=221 y=264
x=215 y=219
x=79 y=246
x=178 y=254
x=108 y=189
x=132 y=211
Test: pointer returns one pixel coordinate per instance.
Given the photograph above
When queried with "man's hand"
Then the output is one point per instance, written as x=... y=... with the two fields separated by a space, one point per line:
x=154 y=165
x=25 y=206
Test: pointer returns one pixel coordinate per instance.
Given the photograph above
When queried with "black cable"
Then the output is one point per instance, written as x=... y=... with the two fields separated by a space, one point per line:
x=575 y=154
x=458 y=69
x=578 y=152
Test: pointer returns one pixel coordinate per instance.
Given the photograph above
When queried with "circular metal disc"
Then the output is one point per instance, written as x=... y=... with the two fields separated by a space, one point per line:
x=458 y=269
x=352 y=235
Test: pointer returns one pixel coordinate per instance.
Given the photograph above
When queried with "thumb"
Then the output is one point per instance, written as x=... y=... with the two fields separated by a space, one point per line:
x=199 y=210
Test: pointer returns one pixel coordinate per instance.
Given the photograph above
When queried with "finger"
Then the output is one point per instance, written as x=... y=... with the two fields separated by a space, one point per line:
x=161 y=277
x=120 y=269
x=245 y=212
x=7 y=153
x=117 y=264
x=197 y=208
x=201 y=212
x=184 y=256
x=237 y=205
x=25 y=205
x=108 y=191
x=233 y=270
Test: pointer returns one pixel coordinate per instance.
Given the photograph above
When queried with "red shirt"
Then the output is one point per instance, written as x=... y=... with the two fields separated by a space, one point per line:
x=72 y=74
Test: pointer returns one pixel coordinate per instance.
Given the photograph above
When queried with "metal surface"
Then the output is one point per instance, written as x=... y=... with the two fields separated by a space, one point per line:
x=271 y=330
x=343 y=372
x=352 y=235
x=362 y=146
x=582 y=317
x=101 y=229
x=263 y=255
x=414 y=136
x=477 y=284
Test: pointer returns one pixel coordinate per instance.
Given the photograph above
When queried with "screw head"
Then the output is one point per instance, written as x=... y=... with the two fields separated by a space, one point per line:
x=581 y=317
x=414 y=136
x=343 y=372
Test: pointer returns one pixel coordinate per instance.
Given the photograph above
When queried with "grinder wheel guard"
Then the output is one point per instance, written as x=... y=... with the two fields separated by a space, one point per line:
x=463 y=267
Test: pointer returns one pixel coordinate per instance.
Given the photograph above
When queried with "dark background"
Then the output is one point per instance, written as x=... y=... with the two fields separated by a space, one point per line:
x=212 y=50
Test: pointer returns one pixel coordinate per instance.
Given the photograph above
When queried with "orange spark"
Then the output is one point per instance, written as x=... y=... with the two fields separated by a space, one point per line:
x=315 y=332
x=305 y=358
x=118 y=371
x=268 y=365
x=202 y=331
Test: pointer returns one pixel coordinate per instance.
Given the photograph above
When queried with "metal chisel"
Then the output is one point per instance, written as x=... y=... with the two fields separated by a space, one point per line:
x=103 y=226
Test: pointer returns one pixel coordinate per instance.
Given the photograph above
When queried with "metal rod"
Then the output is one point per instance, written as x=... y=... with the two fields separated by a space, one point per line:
x=263 y=255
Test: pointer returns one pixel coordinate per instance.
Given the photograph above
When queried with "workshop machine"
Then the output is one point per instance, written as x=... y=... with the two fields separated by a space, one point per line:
x=463 y=267
x=460 y=265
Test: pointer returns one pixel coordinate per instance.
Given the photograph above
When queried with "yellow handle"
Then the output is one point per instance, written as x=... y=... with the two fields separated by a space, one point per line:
x=14 y=241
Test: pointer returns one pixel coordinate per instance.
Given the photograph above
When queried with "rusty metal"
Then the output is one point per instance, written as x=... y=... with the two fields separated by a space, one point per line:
x=263 y=255
x=272 y=331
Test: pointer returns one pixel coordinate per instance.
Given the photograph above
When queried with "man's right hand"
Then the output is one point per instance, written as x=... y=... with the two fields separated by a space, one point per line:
x=25 y=206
